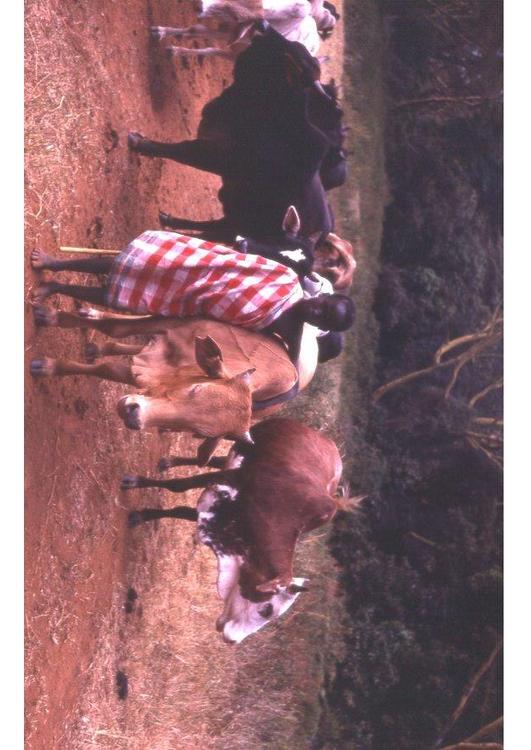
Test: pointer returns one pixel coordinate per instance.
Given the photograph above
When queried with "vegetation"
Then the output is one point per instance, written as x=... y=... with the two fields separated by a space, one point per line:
x=421 y=565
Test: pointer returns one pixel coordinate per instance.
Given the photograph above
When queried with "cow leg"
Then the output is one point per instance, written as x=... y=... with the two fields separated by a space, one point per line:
x=115 y=326
x=134 y=481
x=216 y=462
x=228 y=54
x=40 y=262
x=183 y=512
x=110 y=349
x=201 y=154
x=93 y=294
x=190 y=32
x=119 y=372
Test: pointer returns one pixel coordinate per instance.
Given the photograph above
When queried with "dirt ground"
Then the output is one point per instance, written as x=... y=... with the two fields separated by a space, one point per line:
x=92 y=74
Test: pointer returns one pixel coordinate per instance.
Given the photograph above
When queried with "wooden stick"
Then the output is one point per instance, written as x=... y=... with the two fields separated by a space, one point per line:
x=91 y=250
x=486 y=730
x=475 y=746
x=469 y=690
x=471 y=742
x=497 y=384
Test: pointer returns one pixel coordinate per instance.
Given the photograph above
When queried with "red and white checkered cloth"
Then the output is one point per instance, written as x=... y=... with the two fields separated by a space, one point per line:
x=170 y=274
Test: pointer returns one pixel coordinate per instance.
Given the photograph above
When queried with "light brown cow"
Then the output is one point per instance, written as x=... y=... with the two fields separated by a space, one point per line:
x=199 y=376
x=252 y=513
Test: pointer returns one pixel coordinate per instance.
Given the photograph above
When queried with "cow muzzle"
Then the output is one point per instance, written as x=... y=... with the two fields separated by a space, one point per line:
x=130 y=410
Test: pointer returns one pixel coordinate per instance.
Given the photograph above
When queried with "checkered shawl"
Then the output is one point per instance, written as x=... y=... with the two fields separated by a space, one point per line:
x=165 y=273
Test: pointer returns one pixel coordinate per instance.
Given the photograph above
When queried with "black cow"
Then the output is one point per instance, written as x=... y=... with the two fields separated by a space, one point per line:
x=275 y=138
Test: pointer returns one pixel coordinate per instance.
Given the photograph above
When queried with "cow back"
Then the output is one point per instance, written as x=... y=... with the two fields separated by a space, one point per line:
x=159 y=363
x=278 y=130
x=289 y=465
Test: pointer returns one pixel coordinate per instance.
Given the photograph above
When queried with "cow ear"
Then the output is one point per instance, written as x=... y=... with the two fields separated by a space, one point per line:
x=291 y=223
x=244 y=377
x=208 y=356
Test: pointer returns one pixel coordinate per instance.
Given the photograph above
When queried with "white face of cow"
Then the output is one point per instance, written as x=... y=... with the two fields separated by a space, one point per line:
x=241 y=617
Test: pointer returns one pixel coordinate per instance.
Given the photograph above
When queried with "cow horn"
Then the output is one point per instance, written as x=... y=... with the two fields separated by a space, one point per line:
x=245 y=376
x=246 y=437
x=319 y=86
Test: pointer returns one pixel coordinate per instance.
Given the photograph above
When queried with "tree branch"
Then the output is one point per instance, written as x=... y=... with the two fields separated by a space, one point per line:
x=469 y=100
x=486 y=730
x=468 y=692
x=493 y=386
x=474 y=746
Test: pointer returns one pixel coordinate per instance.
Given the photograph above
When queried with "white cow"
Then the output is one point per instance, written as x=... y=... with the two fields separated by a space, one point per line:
x=232 y=23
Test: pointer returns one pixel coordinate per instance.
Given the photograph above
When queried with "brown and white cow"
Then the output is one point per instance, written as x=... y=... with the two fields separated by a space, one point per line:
x=252 y=513
x=196 y=375
x=334 y=259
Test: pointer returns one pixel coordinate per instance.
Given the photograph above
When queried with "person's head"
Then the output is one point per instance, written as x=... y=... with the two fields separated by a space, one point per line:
x=329 y=312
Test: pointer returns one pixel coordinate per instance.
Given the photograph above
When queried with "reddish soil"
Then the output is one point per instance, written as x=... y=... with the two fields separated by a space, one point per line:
x=92 y=74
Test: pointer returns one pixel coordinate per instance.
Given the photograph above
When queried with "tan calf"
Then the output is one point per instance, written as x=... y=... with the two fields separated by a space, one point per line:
x=198 y=376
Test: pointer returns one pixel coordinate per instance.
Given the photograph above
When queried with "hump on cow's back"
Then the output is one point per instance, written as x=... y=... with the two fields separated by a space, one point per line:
x=241 y=350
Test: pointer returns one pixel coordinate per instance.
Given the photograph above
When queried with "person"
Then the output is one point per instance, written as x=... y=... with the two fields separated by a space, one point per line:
x=329 y=313
x=172 y=275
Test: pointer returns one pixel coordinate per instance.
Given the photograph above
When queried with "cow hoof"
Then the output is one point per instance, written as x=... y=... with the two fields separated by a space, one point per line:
x=130 y=482
x=42 y=367
x=164 y=464
x=130 y=413
x=92 y=352
x=158 y=32
x=89 y=312
x=134 y=519
x=44 y=316
x=135 y=140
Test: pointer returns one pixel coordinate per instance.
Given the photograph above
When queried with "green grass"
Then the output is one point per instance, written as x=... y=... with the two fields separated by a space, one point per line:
x=338 y=398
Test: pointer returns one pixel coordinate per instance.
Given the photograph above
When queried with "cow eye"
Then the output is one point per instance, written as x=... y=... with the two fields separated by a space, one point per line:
x=266 y=611
x=224 y=495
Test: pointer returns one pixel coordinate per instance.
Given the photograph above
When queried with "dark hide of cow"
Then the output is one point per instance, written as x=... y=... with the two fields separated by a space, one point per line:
x=275 y=138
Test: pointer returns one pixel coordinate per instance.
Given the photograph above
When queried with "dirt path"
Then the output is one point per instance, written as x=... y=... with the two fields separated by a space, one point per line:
x=92 y=74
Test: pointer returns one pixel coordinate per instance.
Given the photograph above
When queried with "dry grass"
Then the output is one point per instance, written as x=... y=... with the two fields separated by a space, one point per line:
x=58 y=125
x=187 y=688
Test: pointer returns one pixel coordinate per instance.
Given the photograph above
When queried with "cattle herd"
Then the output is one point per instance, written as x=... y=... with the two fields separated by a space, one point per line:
x=239 y=313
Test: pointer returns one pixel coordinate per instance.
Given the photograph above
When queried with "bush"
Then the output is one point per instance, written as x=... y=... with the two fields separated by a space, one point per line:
x=421 y=565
